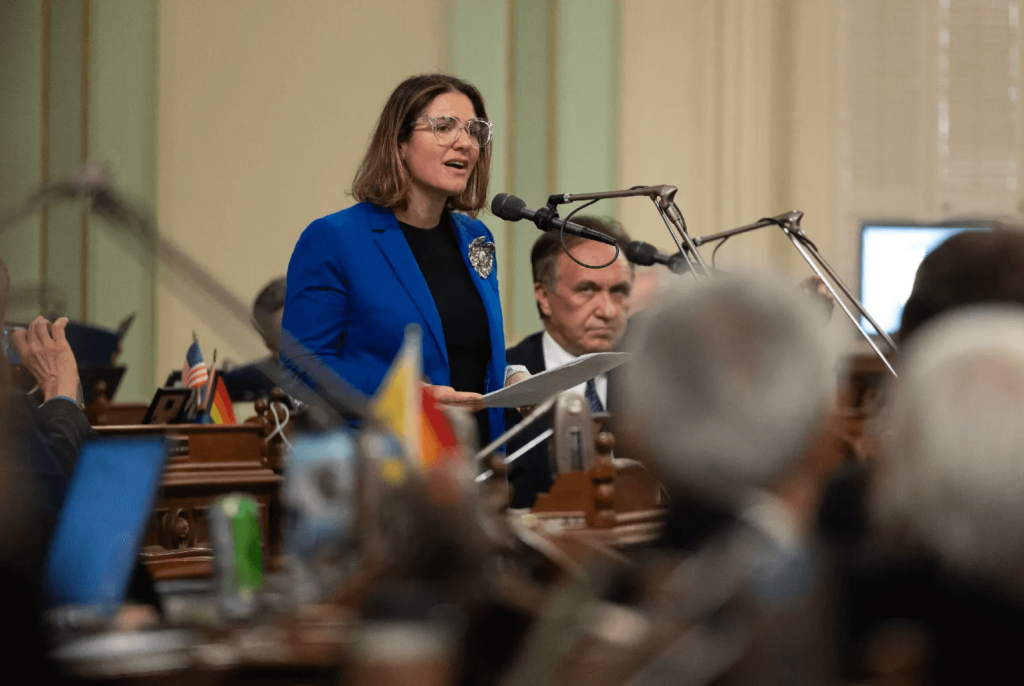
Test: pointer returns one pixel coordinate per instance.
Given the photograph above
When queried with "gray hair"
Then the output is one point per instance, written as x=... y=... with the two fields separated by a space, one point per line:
x=728 y=386
x=952 y=467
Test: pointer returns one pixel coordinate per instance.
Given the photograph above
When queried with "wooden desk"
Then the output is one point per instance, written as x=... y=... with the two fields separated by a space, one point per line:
x=612 y=505
x=115 y=414
x=206 y=462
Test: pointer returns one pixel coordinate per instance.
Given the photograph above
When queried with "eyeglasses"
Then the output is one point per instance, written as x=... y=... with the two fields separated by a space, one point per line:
x=446 y=129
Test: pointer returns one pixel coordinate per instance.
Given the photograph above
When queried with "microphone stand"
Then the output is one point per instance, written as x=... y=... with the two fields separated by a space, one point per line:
x=789 y=222
x=663 y=198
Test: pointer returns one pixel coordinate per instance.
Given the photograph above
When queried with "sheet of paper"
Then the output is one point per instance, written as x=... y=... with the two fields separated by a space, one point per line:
x=540 y=387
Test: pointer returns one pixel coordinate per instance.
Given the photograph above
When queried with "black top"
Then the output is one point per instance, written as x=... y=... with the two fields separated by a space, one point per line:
x=463 y=317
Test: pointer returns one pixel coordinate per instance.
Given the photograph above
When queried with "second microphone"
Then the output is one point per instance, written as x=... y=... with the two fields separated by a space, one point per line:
x=510 y=208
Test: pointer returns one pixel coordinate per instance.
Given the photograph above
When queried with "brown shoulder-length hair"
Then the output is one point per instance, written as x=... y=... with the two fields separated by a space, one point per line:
x=383 y=178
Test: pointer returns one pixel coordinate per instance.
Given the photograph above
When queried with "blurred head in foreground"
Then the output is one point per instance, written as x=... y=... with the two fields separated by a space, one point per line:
x=952 y=474
x=728 y=387
x=970 y=268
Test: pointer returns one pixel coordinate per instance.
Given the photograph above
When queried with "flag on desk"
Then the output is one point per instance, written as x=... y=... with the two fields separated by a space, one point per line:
x=410 y=411
x=397 y=403
x=194 y=374
x=221 y=410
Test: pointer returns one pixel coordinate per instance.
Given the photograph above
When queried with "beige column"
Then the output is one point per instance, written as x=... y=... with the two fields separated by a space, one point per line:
x=731 y=101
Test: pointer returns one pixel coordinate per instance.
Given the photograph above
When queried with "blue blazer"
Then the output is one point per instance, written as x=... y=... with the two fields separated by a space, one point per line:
x=353 y=287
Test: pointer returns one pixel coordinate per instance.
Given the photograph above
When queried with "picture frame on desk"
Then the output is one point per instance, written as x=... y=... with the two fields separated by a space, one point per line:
x=168 y=406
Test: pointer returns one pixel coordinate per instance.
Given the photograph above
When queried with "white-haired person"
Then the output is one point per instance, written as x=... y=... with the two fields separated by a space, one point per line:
x=725 y=399
x=948 y=497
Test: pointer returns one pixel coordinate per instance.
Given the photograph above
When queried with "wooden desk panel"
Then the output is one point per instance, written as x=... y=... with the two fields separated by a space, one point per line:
x=206 y=462
x=115 y=414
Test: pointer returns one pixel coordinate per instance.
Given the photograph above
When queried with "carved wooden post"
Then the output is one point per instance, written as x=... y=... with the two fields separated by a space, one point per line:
x=177 y=531
x=603 y=478
x=272 y=450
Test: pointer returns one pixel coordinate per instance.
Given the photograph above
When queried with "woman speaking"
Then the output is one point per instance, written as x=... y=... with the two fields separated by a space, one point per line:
x=410 y=252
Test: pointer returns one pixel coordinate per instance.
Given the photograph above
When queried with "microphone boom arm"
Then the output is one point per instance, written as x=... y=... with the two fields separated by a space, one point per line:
x=789 y=222
x=663 y=197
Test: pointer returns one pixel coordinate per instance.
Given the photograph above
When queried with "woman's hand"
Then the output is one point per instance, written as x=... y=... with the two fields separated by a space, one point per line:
x=516 y=378
x=446 y=395
x=45 y=353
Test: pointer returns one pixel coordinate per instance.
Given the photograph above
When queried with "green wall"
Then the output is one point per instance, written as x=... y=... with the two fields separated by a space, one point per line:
x=64 y=268
x=21 y=45
x=77 y=83
x=479 y=54
x=122 y=137
x=549 y=71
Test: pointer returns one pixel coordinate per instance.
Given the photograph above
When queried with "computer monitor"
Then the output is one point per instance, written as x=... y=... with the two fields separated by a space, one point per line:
x=101 y=523
x=890 y=254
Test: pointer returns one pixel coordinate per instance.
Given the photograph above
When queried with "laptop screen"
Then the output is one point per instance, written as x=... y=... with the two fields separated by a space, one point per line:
x=101 y=523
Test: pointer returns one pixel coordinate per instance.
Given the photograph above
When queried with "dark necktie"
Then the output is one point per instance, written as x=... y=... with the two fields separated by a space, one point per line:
x=593 y=398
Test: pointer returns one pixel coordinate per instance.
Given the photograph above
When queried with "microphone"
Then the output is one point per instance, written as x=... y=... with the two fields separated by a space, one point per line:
x=646 y=254
x=510 y=208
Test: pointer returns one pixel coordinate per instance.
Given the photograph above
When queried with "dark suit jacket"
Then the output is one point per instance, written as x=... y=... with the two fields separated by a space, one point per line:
x=67 y=429
x=531 y=473
x=41 y=446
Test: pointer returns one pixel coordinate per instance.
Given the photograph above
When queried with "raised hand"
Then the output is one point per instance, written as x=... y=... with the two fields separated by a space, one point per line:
x=46 y=354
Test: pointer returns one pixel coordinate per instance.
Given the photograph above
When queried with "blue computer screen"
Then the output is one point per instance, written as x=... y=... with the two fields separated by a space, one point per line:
x=101 y=523
x=889 y=258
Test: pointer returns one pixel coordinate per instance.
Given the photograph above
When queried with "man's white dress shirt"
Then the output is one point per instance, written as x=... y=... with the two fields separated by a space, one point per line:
x=555 y=356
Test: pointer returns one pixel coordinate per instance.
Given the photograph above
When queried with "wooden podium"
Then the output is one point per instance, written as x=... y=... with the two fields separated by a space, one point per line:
x=616 y=503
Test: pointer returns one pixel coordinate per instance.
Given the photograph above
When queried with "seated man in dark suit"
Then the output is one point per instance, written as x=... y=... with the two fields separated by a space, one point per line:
x=583 y=311
x=970 y=269
x=731 y=426
x=39 y=446
x=946 y=495
x=254 y=380
x=50 y=434
x=38 y=450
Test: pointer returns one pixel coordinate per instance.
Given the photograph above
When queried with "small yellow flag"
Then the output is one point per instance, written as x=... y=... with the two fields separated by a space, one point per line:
x=397 y=403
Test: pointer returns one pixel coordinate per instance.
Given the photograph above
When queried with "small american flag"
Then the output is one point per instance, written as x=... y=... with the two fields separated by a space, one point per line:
x=193 y=374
